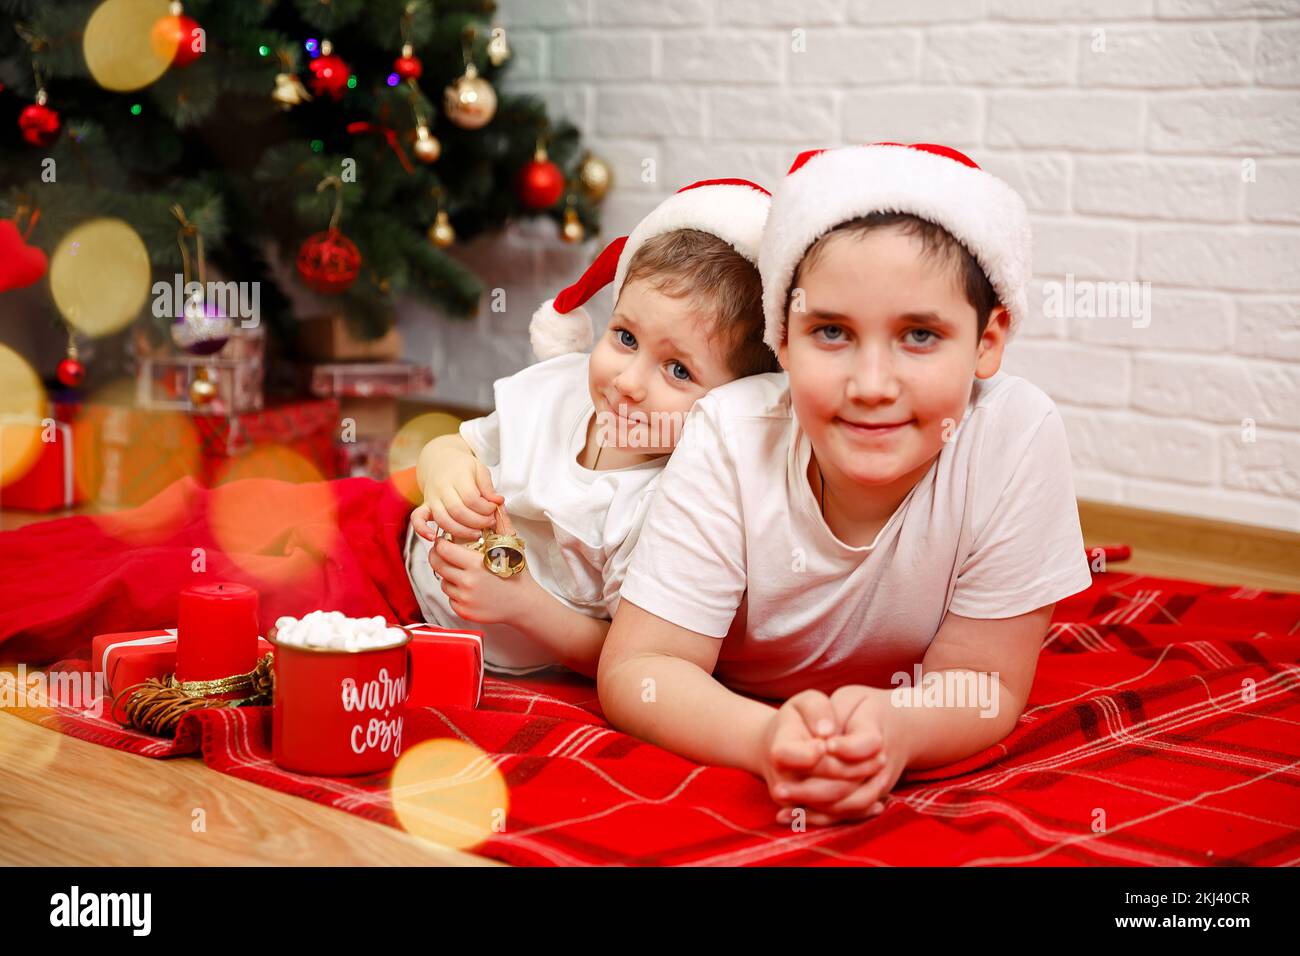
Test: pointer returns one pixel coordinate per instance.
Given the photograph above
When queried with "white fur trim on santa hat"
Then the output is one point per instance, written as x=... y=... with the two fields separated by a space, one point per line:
x=732 y=212
x=985 y=214
x=552 y=333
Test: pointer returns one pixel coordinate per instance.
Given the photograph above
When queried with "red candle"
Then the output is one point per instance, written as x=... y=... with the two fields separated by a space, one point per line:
x=216 y=635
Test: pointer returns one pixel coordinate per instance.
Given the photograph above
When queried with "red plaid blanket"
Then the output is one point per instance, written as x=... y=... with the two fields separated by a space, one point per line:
x=1163 y=729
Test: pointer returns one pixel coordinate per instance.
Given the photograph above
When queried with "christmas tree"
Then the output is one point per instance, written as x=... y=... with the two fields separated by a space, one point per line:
x=258 y=108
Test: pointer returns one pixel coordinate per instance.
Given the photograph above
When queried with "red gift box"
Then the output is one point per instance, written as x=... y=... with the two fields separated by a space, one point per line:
x=139 y=452
x=130 y=657
x=446 y=667
x=370 y=379
x=51 y=480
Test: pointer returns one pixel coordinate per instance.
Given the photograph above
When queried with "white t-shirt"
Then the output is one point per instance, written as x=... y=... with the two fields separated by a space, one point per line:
x=735 y=546
x=579 y=526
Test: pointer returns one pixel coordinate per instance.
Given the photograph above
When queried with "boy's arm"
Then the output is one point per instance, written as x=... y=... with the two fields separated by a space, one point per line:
x=655 y=682
x=1003 y=649
x=575 y=638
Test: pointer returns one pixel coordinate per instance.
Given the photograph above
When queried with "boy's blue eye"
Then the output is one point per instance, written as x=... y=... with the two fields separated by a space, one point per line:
x=677 y=367
x=626 y=338
x=930 y=336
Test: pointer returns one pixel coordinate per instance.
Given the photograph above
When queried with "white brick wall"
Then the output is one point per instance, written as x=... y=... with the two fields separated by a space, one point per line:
x=1153 y=140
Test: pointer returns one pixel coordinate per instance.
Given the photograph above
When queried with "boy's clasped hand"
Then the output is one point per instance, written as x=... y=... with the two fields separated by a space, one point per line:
x=834 y=758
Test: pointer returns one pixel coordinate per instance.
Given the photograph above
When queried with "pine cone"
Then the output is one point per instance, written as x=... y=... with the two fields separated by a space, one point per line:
x=263 y=681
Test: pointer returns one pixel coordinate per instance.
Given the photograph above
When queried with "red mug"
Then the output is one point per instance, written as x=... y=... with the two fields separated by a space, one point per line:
x=338 y=713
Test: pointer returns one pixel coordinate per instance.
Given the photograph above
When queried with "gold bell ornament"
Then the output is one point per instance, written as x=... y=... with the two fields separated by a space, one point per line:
x=289 y=91
x=441 y=234
x=503 y=550
x=572 y=231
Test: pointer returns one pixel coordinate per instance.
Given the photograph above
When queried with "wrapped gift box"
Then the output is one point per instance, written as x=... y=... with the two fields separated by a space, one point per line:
x=372 y=417
x=446 y=667
x=368 y=392
x=130 y=657
x=139 y=452
x=309 y=427
x=329 y=338
x=52 y=479
x=370 y=379
x=164 y=383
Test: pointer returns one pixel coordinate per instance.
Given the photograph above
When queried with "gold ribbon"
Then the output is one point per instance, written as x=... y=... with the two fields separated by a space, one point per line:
x=205 y=688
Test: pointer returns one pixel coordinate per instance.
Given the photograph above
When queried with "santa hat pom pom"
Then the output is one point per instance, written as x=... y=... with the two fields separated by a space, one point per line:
x=554 y=333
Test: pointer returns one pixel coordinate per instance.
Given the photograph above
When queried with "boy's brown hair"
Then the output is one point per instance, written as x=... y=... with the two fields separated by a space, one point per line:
x=722 y=282
x=937 y=242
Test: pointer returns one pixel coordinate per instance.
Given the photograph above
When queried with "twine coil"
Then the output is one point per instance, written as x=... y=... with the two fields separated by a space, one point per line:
x=156 y=705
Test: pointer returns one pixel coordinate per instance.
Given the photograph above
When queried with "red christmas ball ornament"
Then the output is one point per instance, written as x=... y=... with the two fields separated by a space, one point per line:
x=179 y=33
x=541 y=183
x=39 y=124
x=329 y=262
x=408 y=65
x=329 y=74
x=71 y=372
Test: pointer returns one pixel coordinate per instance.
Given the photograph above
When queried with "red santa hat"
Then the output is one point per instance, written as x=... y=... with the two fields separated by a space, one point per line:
x=827 y=187
x=734 y=210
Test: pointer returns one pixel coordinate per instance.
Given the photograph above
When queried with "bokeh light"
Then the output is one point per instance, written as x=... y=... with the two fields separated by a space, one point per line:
x=22 y=407
x=126 y=457
x=99 y=276
x=118 y=44
x=280 y=526
x=450 y=792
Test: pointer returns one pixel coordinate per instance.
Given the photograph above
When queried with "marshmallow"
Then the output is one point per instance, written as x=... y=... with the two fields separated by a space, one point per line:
x=331 y=630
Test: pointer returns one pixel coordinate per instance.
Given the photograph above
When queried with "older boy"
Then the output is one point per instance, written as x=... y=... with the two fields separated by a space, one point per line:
x=897 y=501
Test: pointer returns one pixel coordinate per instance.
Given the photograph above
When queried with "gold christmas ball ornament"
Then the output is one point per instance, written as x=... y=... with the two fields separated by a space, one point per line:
x=427 y=149
x=202 y=390
x=572 y=230
x=441 y=234
x=289 y=91
x=470 y=102
x=596 y=177
x=498 y=49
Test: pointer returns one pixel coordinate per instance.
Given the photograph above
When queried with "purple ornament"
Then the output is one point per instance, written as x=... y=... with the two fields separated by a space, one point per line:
x=202 y=328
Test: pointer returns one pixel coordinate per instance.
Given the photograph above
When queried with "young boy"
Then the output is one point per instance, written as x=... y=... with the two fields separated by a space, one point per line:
x=576 y=442
x=897 y=500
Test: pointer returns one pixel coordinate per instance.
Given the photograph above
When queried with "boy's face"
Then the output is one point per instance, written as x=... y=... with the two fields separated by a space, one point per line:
x=649 y=368
x=885 y=337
